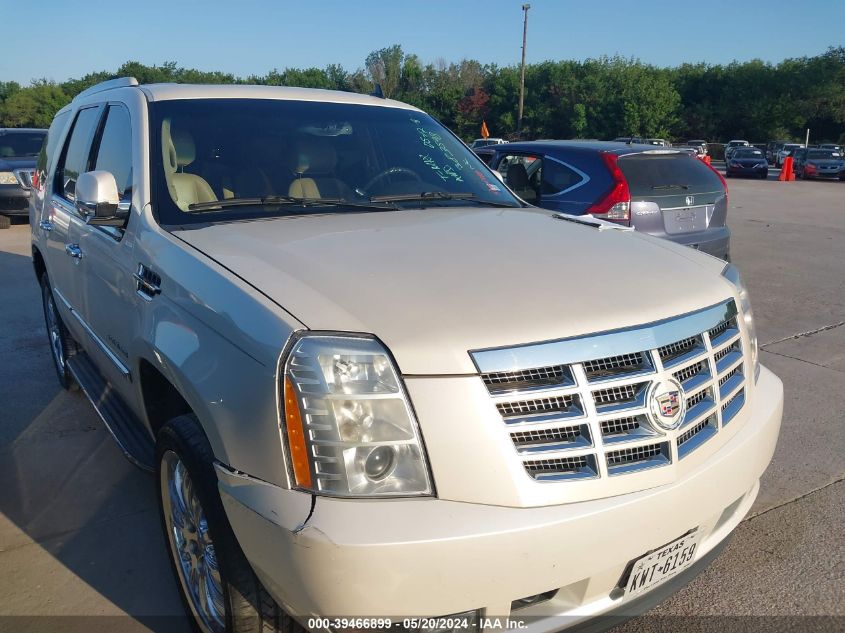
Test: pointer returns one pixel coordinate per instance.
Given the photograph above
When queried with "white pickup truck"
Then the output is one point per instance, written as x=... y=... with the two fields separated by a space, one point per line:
x=376 y=388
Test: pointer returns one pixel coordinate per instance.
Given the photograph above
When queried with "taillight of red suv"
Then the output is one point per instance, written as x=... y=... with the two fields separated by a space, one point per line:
x=615 y=205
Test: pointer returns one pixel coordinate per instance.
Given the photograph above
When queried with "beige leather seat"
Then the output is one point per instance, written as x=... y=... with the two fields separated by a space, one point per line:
x=179 y=151
x=317 y=158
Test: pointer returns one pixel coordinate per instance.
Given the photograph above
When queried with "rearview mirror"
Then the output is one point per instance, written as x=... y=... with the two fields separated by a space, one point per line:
x=98 y=201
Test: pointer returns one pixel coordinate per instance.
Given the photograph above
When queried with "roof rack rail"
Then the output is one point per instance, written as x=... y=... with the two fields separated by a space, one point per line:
x=121 y=82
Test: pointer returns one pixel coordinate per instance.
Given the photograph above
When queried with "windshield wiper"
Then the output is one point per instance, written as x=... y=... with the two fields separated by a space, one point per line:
x=670 y=187
x=436 y=196
x=279 y=201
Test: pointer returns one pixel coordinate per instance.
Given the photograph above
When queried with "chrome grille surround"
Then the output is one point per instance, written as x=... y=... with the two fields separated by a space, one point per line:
x=599 y=425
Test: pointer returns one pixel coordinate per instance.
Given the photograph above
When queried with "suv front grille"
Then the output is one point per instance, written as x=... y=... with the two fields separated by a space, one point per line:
x=593 y=418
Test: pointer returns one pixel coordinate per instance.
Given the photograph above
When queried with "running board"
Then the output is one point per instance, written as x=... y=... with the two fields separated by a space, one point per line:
x=126 y=429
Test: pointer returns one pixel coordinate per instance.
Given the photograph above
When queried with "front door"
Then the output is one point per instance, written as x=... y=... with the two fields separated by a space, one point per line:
x=109 y=301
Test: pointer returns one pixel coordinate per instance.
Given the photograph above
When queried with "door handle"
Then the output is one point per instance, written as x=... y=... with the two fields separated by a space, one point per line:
x=73 y=250
x=46 y=225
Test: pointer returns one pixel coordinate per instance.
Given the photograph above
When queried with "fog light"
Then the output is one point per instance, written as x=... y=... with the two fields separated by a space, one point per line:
x=532 y=600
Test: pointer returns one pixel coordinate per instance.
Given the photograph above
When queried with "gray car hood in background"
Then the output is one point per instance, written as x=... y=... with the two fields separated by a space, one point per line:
x=435 y=283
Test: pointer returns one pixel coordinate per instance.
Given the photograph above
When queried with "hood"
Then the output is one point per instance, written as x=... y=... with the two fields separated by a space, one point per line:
x=825 y=162
x=433 y=284
x=10 y=164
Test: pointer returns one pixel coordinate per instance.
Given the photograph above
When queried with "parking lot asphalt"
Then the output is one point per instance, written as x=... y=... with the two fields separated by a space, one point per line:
x=79 y=532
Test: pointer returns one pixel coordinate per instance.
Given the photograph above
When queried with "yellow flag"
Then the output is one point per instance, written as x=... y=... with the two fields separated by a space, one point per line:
x=485 y=133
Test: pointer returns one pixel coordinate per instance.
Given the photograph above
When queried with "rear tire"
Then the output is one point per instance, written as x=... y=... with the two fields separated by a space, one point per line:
x=5 y=221
x=62 y=345
x=219 y=589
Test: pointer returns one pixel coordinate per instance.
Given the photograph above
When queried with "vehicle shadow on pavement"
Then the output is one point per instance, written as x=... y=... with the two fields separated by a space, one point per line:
x=73 y=511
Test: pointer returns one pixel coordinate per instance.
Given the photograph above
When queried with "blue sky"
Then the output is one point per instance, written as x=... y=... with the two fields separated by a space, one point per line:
x=74 y=37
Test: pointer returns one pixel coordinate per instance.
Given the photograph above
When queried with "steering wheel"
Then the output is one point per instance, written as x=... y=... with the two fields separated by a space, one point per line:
x=390 y=172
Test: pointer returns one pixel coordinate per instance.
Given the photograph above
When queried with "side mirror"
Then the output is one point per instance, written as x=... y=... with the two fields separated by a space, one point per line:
x=98 y=201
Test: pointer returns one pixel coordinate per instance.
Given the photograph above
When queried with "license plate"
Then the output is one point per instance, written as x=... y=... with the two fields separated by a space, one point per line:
x=660 y=565
x=685 y=220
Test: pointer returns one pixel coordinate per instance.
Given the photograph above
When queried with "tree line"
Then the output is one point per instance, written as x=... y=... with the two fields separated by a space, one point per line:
x=595 y=98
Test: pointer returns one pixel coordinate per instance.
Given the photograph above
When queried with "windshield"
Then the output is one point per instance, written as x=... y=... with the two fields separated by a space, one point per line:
x=824 y=154
x=14 y=144
x=748 y=153
x=262 y=156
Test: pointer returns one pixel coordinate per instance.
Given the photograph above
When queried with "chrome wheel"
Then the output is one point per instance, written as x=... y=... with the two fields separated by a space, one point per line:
x=191 y=545
x=54 y=331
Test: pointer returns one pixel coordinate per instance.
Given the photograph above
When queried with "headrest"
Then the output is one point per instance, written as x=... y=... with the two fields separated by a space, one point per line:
x=315 y=156
x=517 y=176
x=178 y=148
x=186 y=151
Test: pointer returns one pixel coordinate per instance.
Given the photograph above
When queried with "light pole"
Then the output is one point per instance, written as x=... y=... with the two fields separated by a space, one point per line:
x=525 y=8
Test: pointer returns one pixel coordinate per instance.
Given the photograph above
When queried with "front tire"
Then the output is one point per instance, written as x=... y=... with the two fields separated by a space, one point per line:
x=62 y=345
x=218 y=587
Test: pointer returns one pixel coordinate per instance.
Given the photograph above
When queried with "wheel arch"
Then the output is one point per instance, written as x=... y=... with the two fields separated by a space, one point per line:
x=38 y=262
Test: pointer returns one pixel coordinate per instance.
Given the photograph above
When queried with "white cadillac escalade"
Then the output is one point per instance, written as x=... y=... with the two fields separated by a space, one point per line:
x=378 y=389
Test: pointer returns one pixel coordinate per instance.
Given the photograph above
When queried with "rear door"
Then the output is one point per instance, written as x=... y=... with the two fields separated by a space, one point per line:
x=673 y=193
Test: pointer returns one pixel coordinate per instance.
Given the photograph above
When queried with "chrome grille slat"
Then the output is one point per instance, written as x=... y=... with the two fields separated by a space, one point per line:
x=621 y=366
x=732 y=406
x=537 y=378
x=627 y=460
x=551 y=439
x=593 y=419
x=561 y=468
x=696 y=436
x=538 y=405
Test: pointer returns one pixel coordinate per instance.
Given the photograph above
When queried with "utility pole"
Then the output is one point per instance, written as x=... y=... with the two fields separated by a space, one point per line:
x=525 y=8
x=807 y=140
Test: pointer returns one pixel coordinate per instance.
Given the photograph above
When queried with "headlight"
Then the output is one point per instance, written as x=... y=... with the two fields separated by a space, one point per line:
x=732 y=274
x=350 y=427
x=7 y=178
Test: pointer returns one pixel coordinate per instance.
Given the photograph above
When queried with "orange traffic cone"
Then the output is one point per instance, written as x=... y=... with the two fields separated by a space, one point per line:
x=786 y=170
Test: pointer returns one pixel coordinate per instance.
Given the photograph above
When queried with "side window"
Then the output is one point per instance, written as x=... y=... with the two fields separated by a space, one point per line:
x=558 y=178
x=48 y=148
x=114 y=153
x=77 y=152
x=523 y=173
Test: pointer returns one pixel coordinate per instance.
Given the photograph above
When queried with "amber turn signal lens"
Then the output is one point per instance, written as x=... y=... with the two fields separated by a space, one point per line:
x=296 y=437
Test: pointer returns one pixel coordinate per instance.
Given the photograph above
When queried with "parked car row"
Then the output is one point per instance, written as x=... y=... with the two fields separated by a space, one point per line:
x=374 y=385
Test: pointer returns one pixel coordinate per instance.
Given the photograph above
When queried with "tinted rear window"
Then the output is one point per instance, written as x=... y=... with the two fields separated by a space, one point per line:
x=648 y=174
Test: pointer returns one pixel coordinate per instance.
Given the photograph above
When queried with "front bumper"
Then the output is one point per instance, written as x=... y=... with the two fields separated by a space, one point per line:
x=826 y=174
x=421 y=557
x=747 y=171
x=715 y=241
x=14 y=200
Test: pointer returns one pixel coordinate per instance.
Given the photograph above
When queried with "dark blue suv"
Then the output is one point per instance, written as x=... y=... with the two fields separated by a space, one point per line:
x=663 y=192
